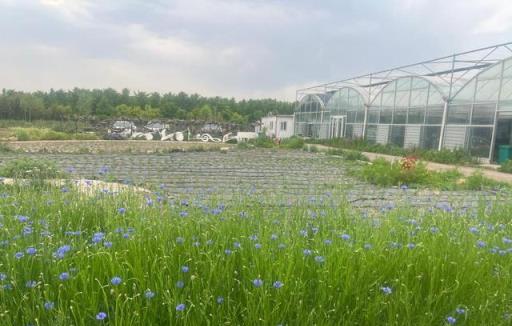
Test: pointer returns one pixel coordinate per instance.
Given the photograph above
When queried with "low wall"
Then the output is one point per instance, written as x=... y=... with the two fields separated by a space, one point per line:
x=111 y=146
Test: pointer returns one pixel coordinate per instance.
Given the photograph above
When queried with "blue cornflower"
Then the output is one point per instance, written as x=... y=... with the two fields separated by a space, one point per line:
x=227 y=252
x=257 y=246
x=320 y=259
x=327 y=241
x=27 y=230
x=64 y=276
x=107 y=244
x=434 y=229
x=61 y=251
x=31 y=284
x=236 y=244
x=220 y=300
x=19 y=255
x=48 y=305
x=411 y=245
x=31 y=251
x=180 y=284
x=253 y=237
x=3 y=276
x=473 y=230
x=281 y=246
x=126 y=235
x=121 y=210
x=367 y=246
x=180 y=240
x=345 y=237
x=184 y=269
x=183 y=214
x=304 y=233
x=22 y=218
x=278 y=284
x=507 y=240
x=101 y=315
x=460 y=311
x=181 y=307
x=257 y=282
x=149 y=294
x=116 y=280
x=97 y=237
x=149 y=202
x=273 y=237
x=196 y=243
x=451 y=320
x=386 y=290
x=307 y=252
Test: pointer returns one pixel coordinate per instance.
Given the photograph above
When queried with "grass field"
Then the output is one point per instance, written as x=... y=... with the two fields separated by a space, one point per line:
x=247 y=264
x=190 y=259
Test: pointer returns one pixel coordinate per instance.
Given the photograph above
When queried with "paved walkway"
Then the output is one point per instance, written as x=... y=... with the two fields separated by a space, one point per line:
x=465 y=170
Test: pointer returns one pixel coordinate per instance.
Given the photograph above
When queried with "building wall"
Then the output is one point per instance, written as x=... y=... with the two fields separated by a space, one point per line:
x=277 y=126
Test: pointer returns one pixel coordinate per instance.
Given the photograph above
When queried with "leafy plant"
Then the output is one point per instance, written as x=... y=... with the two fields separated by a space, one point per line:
x=506 y=166
x=27 y=168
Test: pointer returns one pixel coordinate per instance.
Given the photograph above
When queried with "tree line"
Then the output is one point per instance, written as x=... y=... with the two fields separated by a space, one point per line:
x=105 y=103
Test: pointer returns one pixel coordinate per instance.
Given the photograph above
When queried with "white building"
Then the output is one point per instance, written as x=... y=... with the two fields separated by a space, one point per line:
x=276 y=126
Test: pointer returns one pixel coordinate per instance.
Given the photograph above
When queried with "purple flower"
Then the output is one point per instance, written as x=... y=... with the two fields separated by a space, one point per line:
x=386 y=290
x=149 y=294
x=411 y=246
x=22 y=218
x=345 y=237
x=19 y=255
x=327 y=242
x=273 y=237
x=61 y=251
x=507 y=240
x=220 y=300
x=367 y=246
x=97 y=237
x=101 y=315
x=307 y=252
x=180 y=284
x=451 y=320
x=107 y=244
x=253 y=237
x=473 y=230
x=236 y=244
x=180 y=240
x=480 y=244
x=116 y=280
x=278 y=284
x=227 y=252
x=460 y=311
x=121 y=210
x=183 y=214
x=181 y=307
x=48 y=305
x=3 y=277
x=31 y=284
x=64 y=276
x=320 y=259
x=184 y=269
x=257 y=282
x=31 y=251
x=257 y=246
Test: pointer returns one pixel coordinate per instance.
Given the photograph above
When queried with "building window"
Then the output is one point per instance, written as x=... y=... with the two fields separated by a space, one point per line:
x=283 y=125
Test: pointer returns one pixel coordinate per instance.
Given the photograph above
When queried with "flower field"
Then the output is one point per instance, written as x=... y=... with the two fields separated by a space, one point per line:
x=303 y=255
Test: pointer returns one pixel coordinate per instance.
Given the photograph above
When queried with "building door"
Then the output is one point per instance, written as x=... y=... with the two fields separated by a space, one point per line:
x=337 y=126
x=503 y=132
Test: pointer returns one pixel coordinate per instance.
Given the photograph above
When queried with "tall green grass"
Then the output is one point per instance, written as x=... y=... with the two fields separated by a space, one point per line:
x=338 y=266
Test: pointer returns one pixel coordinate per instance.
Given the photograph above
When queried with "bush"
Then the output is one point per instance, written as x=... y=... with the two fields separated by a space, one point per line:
x=446 y=156
x=506 y=166
x=384 y=173
x=27 y=168
x=293 y=143
x=22 y=135
x=262 y=141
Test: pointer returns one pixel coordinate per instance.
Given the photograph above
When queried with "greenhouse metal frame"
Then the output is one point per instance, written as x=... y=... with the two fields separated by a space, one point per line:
x=459 y=101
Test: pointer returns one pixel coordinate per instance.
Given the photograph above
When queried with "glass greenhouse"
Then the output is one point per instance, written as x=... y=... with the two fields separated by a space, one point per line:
x=460 y=101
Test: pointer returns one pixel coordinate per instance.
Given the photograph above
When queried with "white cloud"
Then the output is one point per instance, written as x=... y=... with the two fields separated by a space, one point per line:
x=499 y=19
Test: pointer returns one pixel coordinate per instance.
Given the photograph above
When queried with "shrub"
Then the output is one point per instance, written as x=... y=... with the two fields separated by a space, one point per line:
x=506 y=166
x=22 y=135
x=477 y=181
x=384 y=173
x=27 y=168
x=293 y=143
x=262 y=141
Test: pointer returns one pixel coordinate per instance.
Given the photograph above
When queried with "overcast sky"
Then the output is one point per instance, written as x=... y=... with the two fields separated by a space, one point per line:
x=233 y=48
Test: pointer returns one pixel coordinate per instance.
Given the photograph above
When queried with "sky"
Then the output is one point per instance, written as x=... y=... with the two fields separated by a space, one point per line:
x=232 y=48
